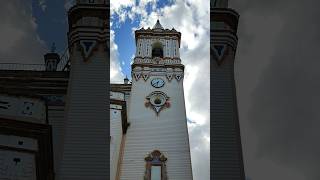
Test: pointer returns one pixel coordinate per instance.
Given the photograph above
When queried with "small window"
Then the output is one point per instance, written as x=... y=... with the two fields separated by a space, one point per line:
x=155 y=172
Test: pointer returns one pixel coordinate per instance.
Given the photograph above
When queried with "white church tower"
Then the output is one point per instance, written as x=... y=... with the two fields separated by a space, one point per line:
x=157 y=142
x=84 y=152
x=226 y=150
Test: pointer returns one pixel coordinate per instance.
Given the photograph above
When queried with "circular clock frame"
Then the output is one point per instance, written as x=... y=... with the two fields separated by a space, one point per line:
x=157 y=83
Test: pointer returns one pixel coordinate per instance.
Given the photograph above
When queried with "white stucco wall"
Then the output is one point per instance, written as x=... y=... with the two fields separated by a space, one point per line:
x=116 y=135
x=85 y=133
x=148 y=132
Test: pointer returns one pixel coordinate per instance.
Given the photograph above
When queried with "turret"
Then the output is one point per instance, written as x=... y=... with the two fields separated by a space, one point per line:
x=226 y=150
x=85 y=147
x=126 y=80
x=88 y=26
x=51 y=59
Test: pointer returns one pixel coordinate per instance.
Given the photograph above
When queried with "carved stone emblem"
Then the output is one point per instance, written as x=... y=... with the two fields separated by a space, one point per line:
x=137 y=75
x=157 y=100
x=179 y=77
x=27 y=108
x=220 y=52
x=145 y=75
x=87 y=47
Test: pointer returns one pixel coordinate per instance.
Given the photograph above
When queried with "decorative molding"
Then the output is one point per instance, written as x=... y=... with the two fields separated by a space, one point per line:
x=23 y=108
x=157 y=60
x=169 y=76
x=219 y=52
x=156 y=158
x=136 y=75
x=178 y=77
x=157 y=100
x=41 y=133
x=148 y=72
x=87 y=47
x=145 y=75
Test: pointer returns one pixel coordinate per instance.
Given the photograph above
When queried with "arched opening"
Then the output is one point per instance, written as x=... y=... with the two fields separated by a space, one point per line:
x=155 y=166
x=157 y=50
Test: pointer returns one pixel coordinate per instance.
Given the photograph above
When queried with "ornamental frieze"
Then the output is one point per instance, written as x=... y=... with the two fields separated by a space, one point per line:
x=157 y=60
x=146 y=72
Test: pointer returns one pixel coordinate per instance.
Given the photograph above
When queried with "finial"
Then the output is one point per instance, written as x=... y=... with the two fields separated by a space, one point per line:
x=158 y=25
x=53 y=48
x=126 y=80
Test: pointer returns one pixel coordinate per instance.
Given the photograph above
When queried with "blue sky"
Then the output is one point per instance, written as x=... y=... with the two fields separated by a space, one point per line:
x=28 y=28
x=124 y=35
x=52 y=22
x=35 y=24
x=191 y=18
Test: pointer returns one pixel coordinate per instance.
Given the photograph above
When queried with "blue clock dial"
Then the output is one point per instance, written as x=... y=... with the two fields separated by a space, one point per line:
x=157 y=82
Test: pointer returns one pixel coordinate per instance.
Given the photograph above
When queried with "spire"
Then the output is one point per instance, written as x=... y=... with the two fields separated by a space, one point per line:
x=126 y=80
x=53 y=48
x=220 y=3
x=157 y=25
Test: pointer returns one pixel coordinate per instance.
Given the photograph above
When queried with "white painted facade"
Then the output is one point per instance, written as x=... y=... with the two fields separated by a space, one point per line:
x=84 y=137
x=79 y=127
x=116 y=133
x=23 y=109
x=170 y=47
x=166 y=130
x=17 y=165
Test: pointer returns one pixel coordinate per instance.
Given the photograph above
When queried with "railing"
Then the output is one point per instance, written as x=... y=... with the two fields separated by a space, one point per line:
x=63 y=65
x=18 y=66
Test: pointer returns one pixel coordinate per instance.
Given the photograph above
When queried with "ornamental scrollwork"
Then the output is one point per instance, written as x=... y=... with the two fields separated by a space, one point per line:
x=157 y=100
x=156 y=158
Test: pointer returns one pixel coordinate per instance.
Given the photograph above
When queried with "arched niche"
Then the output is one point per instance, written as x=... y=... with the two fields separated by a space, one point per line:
x=155 y=166
x=157 y=49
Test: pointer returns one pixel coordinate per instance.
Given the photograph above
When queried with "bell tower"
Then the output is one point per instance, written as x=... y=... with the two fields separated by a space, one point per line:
x=84 y=151
x=157 y=142
x=226 y=150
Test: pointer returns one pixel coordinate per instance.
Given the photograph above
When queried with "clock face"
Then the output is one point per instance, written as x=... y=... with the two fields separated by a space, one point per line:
x=157 y=82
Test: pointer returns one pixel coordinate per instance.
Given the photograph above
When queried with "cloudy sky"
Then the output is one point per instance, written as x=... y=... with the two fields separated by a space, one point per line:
x=277 y=73
x=29 y=27
x=191 y=18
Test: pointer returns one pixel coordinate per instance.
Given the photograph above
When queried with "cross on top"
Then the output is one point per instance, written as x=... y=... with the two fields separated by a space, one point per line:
x=158 y=15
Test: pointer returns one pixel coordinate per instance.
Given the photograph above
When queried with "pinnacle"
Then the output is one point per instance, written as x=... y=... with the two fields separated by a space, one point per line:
x=157 y=25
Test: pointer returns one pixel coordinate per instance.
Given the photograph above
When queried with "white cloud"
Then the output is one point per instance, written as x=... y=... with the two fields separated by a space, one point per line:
x=20 y=42
x=116 y=76
x=191 y=18
x=68 y=4
x=43 y=5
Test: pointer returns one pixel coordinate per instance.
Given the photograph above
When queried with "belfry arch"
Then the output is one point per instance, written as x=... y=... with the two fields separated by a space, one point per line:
x=157 y=49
